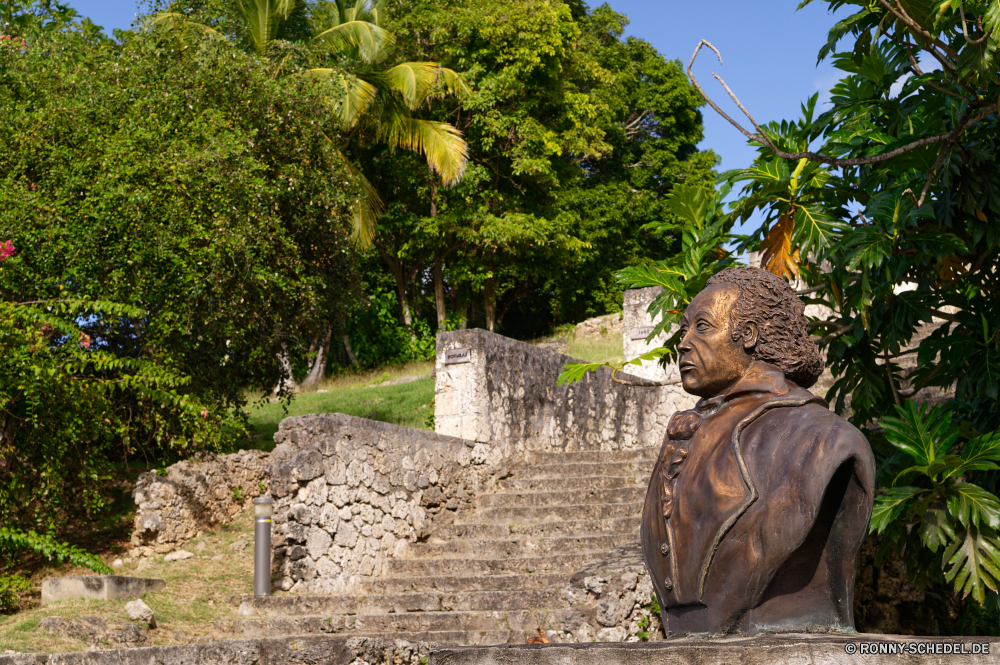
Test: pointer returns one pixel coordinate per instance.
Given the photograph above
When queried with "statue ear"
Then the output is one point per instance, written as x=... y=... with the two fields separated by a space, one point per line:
x=751 y=331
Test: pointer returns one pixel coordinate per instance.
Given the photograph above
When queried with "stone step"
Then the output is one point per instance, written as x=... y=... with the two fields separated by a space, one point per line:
x=510 y=547
x=471 y=601
x=641 y=469
x=462 y=637
x=564 y=563
x=553 y=499
x=575 y=483
x=390 y=625
x=538 y=514
x=616 y=526
x=466 y=584
x=592 y=456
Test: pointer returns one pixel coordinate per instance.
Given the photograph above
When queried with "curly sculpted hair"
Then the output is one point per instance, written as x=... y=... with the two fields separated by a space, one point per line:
x=783 y=339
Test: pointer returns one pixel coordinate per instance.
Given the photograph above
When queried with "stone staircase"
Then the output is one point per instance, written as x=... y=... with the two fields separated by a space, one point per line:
x=499 y=573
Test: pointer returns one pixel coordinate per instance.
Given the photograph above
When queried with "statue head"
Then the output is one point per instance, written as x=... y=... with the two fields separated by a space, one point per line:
x=743 y=315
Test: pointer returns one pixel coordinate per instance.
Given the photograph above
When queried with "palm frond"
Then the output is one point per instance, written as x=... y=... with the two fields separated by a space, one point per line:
x=285 y=8
x=355 y=99
x=418 y=81
x=454 y=83
x=262 y=19
x=366 y=210
x=369 y=41
x=446 y=151
x=413 y=80
x=180 y=26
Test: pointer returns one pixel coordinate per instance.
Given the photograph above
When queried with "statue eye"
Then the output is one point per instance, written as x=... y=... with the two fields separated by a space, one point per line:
x=704 y=326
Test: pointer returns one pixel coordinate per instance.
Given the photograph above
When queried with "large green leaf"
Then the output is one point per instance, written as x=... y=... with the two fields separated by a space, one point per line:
x=262 y=18
x=973 y=505
x=936 y=529
x=980 y=454
x=924 y=434
x=690 y=202
x=973 y=562
x=868 y=248
x=182 y=27
x=890 y=504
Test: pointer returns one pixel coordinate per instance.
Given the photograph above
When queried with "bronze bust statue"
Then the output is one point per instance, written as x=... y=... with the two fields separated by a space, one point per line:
x=761 y=496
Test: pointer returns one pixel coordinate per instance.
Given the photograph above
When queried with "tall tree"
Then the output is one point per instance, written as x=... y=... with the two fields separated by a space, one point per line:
x=575 y=136
x=176 y=226
x=372 y=101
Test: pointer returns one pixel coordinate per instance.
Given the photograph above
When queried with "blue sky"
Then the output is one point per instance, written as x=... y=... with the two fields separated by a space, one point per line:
x=768 y=49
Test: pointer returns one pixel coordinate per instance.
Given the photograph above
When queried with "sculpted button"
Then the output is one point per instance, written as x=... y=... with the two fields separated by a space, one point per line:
x=665 y=549
x=668 y=584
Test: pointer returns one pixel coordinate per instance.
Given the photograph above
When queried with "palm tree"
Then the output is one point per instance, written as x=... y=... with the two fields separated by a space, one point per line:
x=373 y=102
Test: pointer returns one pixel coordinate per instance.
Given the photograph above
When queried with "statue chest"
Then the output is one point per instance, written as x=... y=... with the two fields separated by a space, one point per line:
x=702 y=494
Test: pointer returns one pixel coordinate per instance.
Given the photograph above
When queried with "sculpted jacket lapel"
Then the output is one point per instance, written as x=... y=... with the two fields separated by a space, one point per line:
x=711 y=488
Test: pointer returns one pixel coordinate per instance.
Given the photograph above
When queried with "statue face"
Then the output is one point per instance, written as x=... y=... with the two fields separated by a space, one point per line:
x=708 y=358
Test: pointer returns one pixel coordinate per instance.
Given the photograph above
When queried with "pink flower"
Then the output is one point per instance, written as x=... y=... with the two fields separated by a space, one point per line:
x=204 y=413
x=6 y=250
x=85 y=340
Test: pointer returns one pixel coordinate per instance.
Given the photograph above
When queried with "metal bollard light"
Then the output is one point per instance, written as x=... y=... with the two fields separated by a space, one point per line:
x=263 y=509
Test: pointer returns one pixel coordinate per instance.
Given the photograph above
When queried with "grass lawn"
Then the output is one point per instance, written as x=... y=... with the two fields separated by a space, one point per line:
x=407 y=404
x=606 y=348
x=186 y=610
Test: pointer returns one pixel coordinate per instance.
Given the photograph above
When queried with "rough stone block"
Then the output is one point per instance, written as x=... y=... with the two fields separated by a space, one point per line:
x=816 y=649
x=100 y=587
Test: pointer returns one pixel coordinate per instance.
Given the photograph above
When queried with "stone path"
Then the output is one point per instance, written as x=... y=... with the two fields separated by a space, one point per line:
x=497 y=575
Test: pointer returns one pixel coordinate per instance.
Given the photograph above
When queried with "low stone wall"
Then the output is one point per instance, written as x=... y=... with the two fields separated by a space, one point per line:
x=282 y=651
x=195 y=495
x=350 y=494
x=498 y=390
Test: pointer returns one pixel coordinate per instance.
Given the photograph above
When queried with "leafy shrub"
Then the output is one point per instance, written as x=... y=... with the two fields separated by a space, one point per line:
x=12 y=588
x=178 y=219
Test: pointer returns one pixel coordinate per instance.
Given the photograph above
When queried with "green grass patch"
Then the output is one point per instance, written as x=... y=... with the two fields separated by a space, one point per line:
x=406 y=404
x=596 y=349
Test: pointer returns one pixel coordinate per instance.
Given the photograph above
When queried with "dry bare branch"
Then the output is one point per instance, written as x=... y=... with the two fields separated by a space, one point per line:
x=812 y=156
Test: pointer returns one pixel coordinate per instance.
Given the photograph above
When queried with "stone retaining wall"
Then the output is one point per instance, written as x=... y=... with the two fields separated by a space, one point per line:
x=504 y=392
x=196 y=495
x=350 y=494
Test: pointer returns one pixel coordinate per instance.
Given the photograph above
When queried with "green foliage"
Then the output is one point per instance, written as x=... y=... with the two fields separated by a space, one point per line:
x=12 y=587
x=904 y=231
x=937 y=509
x=12 y=540
x=370 y=99
x=575 y=136
x=176 y=226
x=704 y=229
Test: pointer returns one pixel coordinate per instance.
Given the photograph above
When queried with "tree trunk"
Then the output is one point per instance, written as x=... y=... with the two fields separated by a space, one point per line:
x=287 y=377
x=461 y=310
x=490 y=303
x=396 y=268
x=318 y=370
x=442 y=310
x=347 y=347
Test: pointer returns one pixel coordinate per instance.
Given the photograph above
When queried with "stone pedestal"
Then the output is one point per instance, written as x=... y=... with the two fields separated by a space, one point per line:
x=814 y=649
x=98 y=587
